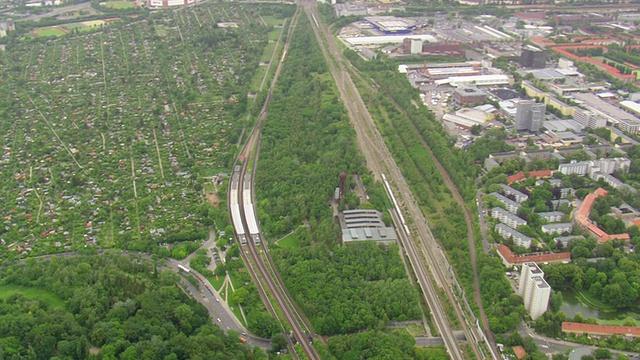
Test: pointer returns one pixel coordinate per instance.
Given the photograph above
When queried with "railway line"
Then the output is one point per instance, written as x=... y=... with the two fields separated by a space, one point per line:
x=422 y=248
x=243 y=216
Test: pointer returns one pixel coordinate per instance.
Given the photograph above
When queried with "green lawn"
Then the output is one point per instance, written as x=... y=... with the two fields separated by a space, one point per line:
x=275 y=34
x=586 y=299
x=271 y=20
x=118 y=4
x=289 y=241
x=31 y=293
x=49 y=31
x=217 y=284
x=268 y=51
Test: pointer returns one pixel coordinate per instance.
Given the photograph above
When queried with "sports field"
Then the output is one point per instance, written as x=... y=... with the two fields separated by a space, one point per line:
x=118 y=4
x=49 y=31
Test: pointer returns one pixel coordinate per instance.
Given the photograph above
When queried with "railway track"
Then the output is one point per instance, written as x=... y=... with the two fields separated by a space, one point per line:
x=242 y=209
x=423 y=248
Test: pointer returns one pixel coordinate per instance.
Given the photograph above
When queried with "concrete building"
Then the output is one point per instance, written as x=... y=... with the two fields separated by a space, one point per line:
x=478 y=80
x=511 y=205
x=168 y=3
x=533 y=57
x=365 y=224
x=507 y=218
x=530 y=115
x=600 y=330
x=625 y=212
x=412 y=46
x=510 y=259
x=594 y=168
x=535 y=291
x=510 y=233
x=575 y=167
x=552 y=216
x=560 y=228
x=629 y=125
x=518 y=195
x=469 y=96
x=361 y=218
x=564 y=240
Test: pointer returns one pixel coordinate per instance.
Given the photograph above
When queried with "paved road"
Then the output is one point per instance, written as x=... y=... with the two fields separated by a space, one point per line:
x=58 y=11
x=552 y=346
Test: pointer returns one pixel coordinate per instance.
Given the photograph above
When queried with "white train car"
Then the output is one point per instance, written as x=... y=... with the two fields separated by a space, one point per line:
x=236 y=218
x=250 y=214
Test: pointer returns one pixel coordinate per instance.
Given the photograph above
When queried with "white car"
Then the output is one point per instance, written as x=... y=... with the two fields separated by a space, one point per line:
x=219 y=320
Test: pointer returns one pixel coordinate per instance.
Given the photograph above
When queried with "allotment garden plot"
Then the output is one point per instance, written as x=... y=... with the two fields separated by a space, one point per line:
x=109 y=137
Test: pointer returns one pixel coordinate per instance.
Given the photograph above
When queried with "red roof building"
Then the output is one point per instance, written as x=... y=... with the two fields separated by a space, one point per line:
x=563 y=50
x=582 y=217
x=601 y=330
x=510 y=259
x=531 y=174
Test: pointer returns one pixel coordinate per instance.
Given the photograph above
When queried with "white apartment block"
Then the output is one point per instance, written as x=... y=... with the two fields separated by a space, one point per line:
x=575 y=167
x=507 y=218
x=557 y=228
x=511 y=205
x=535 y=291
x=518 y=195
x=552 y=216
x=589 y=119
x=629 y=125
x=605 y=166
x=518 y=238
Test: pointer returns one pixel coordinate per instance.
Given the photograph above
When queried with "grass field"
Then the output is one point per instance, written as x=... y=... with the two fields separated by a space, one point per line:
x=118 y=4
x=289 y=241
x=271 y=20
x=31 y=293
x=49 y=31
x=63 y=29
x=268 y=50
x=257 y=79
x=93 y=23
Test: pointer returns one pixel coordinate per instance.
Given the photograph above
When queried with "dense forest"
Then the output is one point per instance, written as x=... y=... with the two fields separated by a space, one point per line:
x=105 y=307
x=307 y=141
x=360 y=286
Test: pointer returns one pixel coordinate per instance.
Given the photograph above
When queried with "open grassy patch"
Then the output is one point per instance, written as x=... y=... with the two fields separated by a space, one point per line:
x=118 y=4
x=49 y=31
x=93 y=23
x=217 y=284
x=586 y=299
x=290 y=241
x=31 y=293
x=268 y=51
x=273 y=21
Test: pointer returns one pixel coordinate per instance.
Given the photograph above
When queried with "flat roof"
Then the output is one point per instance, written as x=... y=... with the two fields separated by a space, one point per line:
x=390 y=39
x=562 y=125
x=604 y=107
x=379 y=234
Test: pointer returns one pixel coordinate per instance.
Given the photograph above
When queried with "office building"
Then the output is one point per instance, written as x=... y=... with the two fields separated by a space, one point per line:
x=469 y=96
x=533 y=57
x=529 y=115
x=589 y=118
x=534 y=290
